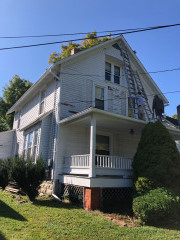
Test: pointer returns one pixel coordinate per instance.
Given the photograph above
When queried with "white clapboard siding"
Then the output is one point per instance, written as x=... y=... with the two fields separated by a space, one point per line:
x=7 y=140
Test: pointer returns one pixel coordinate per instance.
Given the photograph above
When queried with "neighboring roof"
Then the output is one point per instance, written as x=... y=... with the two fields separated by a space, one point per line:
x=173 y=121
x=6 y=132
x=54 y=67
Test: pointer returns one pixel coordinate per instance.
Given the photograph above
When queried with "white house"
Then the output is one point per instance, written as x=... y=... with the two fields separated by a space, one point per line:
x=80 y=115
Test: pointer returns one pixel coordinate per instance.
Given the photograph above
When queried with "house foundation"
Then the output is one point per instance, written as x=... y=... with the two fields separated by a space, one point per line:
x=92 y=198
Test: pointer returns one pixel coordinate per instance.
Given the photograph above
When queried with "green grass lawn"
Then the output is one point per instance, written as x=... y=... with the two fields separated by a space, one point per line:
x=48 y=219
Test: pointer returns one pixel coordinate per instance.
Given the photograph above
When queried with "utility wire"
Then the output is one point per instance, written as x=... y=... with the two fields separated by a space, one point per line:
x=82 y=33
x=79 y=39
x=97 y=75
x=68 y=34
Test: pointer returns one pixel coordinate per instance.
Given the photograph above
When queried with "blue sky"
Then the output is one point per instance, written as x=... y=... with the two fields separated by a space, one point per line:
x=157 y=50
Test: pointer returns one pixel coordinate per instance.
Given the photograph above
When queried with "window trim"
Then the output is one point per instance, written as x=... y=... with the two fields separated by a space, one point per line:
x=107 y=72
x=105 y=95
x=26 y=146
x=119 y=76
x=42 y=100
x=113 y=65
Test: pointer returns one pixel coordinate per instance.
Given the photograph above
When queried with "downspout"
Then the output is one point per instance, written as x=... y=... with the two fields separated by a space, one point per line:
x=55 y=138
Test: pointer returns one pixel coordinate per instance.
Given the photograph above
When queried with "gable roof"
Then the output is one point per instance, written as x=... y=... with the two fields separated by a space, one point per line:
x=81 y=53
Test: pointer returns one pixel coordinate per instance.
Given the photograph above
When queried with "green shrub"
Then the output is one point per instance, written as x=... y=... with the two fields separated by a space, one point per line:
x=156 y=205
x=4 y=177
x=29 y=175
x=143 y=185
x=157 y=158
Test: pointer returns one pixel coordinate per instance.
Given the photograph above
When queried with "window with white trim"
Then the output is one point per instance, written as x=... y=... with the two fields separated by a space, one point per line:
x=35 y=144
x=117 y=74
x=99 y=97
x=107 y=71
x=42 y=102
x=31 y=144
x=112 y=72
x=25 y=145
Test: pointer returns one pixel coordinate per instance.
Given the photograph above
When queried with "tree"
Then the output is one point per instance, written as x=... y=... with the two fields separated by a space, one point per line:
x=157 y=158
x=90 y=41
x=175 y=116
x=11 y=93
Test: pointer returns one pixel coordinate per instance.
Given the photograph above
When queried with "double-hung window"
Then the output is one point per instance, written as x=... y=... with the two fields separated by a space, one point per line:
x=99 y=97
x=108 y=71
x=42 y=102
x=116 y=74
x=31 y=143
x=35 y=144
x=25 y=145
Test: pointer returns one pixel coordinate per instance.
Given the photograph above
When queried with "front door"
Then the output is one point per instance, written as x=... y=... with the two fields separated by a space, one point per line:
x=102 y=145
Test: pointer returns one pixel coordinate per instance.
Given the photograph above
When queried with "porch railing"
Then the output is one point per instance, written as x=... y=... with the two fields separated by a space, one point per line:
x=101 y=161
x=81 y=161
x=116 y=162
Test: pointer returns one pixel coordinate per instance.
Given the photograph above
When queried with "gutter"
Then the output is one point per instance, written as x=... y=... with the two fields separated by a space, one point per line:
x=55 y=136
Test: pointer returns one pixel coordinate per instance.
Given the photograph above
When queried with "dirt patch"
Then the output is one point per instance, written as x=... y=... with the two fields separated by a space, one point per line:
x=122 y=220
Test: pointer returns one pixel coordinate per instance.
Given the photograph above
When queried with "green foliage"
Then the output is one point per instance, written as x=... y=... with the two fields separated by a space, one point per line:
x=156 y=206
x=175 y=116
x=29 y=175
x=4 y=178
x=157 y=158
x=11 y=93
x=90 y=41
x=143 y=185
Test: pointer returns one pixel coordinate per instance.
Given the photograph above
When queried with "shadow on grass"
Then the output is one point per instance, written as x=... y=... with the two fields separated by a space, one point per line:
x=168 y=224
x=2 y=237
x=8 y=212
x=54 y=204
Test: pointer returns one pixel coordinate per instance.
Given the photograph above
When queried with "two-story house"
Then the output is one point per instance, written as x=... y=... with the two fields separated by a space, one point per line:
x=82 y=117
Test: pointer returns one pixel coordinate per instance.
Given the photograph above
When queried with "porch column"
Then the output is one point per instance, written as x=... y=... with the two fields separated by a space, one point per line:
x=92 y=172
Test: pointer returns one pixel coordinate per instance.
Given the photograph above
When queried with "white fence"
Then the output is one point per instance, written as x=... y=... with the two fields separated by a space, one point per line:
x=101 y=161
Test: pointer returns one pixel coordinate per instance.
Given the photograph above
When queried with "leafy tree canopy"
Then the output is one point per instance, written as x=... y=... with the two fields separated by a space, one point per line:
x=157 y=158
x=11 y=93
x=175 y=116
x=90 y=41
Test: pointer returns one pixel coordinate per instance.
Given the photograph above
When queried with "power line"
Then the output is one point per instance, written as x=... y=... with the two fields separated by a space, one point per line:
x=80 y=39
x=82 y=33
x=97 y=75
x=68 y=34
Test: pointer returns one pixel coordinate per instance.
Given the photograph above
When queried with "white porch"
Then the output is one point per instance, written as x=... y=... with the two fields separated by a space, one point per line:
x=79 y=163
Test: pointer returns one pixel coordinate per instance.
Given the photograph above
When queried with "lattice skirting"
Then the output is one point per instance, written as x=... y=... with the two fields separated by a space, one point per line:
x=72 y=193
x=116 y=194
x=109 y=197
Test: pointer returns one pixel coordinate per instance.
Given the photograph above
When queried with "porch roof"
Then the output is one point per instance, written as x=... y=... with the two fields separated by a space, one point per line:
x=112 y=122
